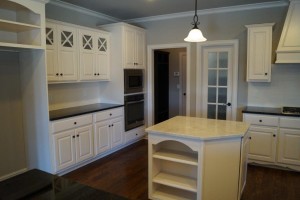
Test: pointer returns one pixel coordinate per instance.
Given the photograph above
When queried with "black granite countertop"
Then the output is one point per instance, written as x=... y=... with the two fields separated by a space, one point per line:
x=36 y=184
x=266 y=111
x=80 y=110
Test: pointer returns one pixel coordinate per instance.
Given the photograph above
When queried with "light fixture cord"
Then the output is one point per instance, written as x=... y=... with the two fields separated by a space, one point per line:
x=195 y=19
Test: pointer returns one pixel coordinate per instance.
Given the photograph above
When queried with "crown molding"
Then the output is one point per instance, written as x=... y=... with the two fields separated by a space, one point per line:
x=210 y=11
x=83 y=10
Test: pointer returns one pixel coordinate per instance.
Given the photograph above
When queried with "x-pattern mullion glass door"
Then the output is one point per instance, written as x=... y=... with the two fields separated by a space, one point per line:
x=217 y=82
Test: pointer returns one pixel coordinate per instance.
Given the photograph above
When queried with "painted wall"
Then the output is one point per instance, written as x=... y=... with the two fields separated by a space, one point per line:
x=220 y=26
x=12 y=143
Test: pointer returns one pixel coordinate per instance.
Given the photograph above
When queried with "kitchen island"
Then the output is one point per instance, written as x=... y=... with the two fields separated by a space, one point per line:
x=197 y=158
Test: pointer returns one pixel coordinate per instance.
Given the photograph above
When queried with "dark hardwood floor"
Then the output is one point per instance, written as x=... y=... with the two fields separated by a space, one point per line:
x=125 y=173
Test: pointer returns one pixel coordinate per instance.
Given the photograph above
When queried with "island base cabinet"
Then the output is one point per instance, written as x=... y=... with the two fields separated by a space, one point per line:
x=194 y=169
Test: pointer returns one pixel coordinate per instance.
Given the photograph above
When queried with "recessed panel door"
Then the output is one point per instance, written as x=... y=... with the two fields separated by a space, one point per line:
x=102 y=138
x=84 y=143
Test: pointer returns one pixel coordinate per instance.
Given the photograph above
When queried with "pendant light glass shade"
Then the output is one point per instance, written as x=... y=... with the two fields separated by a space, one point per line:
x=195 y=35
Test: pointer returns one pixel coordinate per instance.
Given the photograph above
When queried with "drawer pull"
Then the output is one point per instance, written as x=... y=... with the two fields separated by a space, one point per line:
x=274 y=135
x=112 y=125
x=260 y=120
x=75 y=123
x=110 y=114
x=73 y=136
x=77 y=135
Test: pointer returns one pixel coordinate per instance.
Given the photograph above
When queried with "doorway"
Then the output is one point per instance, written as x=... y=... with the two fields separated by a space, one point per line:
x=169 y=85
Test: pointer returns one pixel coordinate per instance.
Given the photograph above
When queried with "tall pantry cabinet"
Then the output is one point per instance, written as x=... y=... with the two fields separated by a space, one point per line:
x=22 y=36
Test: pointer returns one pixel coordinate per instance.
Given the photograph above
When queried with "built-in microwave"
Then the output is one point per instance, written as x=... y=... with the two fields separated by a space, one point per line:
x=133 y=81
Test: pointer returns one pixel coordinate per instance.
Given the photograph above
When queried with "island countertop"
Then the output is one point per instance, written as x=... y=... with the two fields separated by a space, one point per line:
x=200 y=128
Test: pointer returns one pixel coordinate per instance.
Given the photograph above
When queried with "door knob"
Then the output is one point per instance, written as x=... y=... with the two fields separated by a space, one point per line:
x=227 y=104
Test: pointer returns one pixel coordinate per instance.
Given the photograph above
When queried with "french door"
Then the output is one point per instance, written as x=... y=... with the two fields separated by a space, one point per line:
x=217 y=80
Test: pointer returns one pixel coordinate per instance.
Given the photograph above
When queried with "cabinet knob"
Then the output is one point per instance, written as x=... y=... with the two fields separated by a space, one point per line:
x=274 y=135
x=61 y=74
x=110 y=114
x=57 y=74
x=250 y=138
x=260 y=120
x=266 y=74
x=112 y=125
x=108 y=125
x=98 y=74
x=75 y=123
x=73 y=136
x=136 y=134
x=77 y=135
x=95 y=74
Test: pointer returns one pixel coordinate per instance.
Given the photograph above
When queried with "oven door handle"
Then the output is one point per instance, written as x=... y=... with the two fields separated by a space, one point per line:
x=133 y=102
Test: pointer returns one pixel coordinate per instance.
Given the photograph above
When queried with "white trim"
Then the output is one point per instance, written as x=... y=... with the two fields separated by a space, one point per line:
x=210 y=11
x=150 y=76
x=13 y=174
x=199 y=73
x=83 y=10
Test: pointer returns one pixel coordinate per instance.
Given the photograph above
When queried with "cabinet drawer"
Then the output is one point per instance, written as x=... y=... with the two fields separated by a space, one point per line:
x=73 y=122
x=107 y=114
x=134 y=134
x=289 y=122
x=264 y=120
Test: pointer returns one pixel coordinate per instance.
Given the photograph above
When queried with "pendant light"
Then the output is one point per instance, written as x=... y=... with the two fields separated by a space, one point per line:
x=195 y=35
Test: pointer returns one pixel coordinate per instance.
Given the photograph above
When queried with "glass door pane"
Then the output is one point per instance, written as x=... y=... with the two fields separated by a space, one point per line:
x=217 y=85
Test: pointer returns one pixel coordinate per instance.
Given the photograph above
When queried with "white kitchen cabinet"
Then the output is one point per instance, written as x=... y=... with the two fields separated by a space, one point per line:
x=259 y=52
x=134 y=134
x=128 y=44
x=94 y=55
x=289 y=141
x=62 y=55
x=21 y=24
x=134 y=45
x=109 y=129
x=72 y=141
x=263 y=133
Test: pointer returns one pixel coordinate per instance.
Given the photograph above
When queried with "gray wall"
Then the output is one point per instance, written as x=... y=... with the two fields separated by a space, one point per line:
x=12 y=143
x=222 y=26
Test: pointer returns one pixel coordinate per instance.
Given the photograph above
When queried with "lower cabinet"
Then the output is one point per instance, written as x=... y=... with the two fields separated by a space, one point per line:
x=262 y=145
x=134 y=134
x=73 y=146
x=108 y=129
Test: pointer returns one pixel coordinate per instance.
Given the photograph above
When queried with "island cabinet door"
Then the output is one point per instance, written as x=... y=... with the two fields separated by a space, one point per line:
x=64 y=144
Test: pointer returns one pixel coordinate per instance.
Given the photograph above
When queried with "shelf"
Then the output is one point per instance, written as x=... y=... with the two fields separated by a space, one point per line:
x=12 y=26
x=7 y=46
x=176 y=156
x=176 y=181
x=168 y=193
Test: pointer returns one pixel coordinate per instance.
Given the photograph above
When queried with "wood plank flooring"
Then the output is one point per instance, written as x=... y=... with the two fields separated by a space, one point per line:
x=125 y=173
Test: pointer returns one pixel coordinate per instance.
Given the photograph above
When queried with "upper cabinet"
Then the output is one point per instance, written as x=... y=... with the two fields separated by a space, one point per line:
x=128 y=43
x=76 y=53
x=259 y=52
x=134 y=47
x=21 y=24
x=94 y=55
x=288 y=50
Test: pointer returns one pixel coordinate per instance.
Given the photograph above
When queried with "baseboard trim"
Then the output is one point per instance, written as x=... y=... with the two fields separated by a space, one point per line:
x=7 y=176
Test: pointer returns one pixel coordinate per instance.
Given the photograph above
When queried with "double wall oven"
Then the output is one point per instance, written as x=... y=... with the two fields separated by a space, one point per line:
x=133 y=98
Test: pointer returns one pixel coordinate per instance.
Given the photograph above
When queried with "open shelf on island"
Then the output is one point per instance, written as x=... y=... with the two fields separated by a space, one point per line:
x=176 y=181
x=177 y=156
x=169 y=193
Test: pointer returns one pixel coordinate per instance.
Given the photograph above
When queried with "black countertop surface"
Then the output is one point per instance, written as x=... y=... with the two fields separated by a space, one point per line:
x=80 y=110
x=266 y=111
x=36 y=184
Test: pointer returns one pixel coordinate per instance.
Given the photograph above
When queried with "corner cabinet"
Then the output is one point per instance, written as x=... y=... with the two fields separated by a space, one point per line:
x=259 y=52
x=128 y=44
x=21 y=24
x=76 y=53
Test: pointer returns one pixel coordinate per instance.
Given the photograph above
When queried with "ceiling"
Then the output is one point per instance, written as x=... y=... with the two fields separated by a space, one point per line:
x=132 y=9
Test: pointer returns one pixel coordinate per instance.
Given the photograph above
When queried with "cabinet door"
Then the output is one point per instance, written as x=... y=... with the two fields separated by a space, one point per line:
x=84 y=143
x=263 y=143
x=117 y=127
x=244 y=163
x=102 y=139
x=87 y=55
x=102 y=68
x=51 y=52
x=259 y=53
x=67 y=53
x=140 y=49
x=289 y=146
x=64 y=145
x=129 y=48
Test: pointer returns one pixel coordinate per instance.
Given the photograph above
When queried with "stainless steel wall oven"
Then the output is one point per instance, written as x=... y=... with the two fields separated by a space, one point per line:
x=134 y=111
